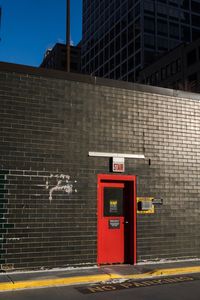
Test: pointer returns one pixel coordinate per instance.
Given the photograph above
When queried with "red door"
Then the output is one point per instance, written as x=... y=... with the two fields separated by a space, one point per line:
x=112 y=223
x=116 y=220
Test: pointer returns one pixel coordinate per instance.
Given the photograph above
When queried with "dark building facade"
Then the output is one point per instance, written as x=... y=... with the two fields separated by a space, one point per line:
x=57 y=189
x=55 y=58
x=178 y=69
x=122 y=36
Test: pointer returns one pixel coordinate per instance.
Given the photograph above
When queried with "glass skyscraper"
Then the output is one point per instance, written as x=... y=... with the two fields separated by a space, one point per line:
x=122 y=36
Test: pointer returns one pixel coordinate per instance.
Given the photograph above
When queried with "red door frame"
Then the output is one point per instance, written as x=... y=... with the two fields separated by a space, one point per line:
x=116 y=178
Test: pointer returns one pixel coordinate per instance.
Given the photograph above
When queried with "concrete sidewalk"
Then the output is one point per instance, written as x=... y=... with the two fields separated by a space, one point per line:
x=59 y=277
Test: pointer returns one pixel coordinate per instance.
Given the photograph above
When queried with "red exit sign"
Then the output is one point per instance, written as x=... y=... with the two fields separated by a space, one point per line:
x=118 y=164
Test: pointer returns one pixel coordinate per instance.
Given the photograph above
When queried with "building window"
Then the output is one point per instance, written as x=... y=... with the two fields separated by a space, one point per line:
x=112 y=64
x=152 y=79
x=117 y=73
x=173 y=67
x=124 y=38
x=173 y=13
x=147 y=80
x=192 y=82
x=137 y=10
x=117 y=43
x=131 y=77
x=192 y=77
x=185 y=33
x=106 y=68
x=195 y=6
x=191 y=57
x=178 y=64
x=124 y=68
x=106 y=51
x=124 y=54
x=124 y=78
x=149 y=56
x=173 y=44
x=130 y=32
x=130 y=49
x=131 y=64
x=149 y=7
x=117 y=59
x=162 y=10
x=149 y=41
x=123 y=9
x=185 y=17
x=96 y=62
x=130 y=3
x=137 y=43
x=168 y=70
x=162 y=44
x=156 y=77
x=137 y=59
x=101 y=58
x=184 y=4
x=162 y=28
x=149 y=25
x=163 y=73
x=101 y=72
x=195 y=34
x=174 y=2
x=130 y=16
x=112 y=48
x=112 y=75
x=174 y=30
x=195 y=20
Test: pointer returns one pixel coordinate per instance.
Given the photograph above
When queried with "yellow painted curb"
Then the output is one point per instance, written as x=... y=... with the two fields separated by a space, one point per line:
x=7 y=286
x=164 y=272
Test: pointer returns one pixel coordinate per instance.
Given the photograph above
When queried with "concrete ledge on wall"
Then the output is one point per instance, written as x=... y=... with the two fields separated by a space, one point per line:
x=16 y=68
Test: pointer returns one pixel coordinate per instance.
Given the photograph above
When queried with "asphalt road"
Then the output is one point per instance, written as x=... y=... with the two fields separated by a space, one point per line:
x=188 y=290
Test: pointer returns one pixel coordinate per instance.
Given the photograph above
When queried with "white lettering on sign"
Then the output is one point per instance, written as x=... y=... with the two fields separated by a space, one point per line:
x=118 y=164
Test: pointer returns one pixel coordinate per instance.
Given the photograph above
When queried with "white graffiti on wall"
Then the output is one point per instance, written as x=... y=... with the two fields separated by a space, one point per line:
x=60 y=182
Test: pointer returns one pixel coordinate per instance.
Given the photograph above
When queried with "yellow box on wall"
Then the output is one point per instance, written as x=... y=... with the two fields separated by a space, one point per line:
x=145 y=205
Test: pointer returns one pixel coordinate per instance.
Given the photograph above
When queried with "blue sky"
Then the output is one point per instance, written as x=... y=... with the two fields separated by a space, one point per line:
x=29 y=27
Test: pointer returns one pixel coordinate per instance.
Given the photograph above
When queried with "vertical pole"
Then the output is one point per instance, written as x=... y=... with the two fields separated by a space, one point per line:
x=68 y=36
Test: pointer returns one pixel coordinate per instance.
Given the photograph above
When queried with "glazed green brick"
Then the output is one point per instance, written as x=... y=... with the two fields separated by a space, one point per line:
x=3 y=191
x=2 y=261
x=3 y=221
x=8 y=225
x=4 y=172
x=102 y=119
x=2 y=240
x=3 y=181
x=3 y=201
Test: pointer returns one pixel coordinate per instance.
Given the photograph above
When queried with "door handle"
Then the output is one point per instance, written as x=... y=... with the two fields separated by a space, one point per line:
x=126 y=222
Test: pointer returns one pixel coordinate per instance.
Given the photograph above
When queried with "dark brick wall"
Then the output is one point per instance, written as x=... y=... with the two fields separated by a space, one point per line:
x=49 y=123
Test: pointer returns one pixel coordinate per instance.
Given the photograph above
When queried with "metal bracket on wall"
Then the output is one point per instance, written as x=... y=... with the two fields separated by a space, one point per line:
x=108 y=154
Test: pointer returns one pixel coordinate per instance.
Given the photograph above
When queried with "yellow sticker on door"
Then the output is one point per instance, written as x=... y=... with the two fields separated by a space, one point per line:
x=113 y=206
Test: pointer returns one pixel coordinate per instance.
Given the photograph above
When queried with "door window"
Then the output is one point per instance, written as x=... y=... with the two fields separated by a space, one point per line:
x=113 y=202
